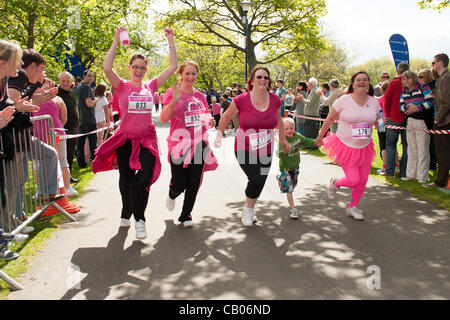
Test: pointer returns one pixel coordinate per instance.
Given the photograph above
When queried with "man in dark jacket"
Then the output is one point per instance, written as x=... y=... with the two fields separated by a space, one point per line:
x=442 y=120
x=86 y=103
x=69 y=97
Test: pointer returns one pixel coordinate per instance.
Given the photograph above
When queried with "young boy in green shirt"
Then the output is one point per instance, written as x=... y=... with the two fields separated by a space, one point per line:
x=289 y=163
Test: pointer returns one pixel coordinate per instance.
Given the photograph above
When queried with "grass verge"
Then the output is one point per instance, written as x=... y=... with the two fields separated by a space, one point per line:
x=421 y=192
x=43 y=230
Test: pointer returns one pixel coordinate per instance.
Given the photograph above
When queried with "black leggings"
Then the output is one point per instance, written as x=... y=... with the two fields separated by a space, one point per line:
x=134 y=187
x=257 y=169
x=187 y=180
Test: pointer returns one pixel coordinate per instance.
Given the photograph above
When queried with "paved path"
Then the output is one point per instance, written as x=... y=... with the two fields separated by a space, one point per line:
x=323 y=255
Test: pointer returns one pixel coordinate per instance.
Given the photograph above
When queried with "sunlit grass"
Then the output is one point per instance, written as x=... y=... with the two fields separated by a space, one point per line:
x=418 y=190
x=43 y=230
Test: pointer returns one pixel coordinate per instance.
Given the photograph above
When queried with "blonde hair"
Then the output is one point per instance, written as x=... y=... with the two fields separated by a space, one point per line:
x=184 y=65
x=10 y=51
x=427 y=75
x=288 y=120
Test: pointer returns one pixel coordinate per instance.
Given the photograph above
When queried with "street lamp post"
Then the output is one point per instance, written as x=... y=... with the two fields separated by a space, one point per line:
x=245 y=8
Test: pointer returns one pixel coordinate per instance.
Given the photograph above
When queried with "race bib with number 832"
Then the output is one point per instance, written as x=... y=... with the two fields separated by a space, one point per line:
x=196 y=118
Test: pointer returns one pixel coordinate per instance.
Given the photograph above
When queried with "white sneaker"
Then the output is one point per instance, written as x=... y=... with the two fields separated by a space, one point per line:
x=19 y=237
x=188 y=224
x=407 y=179
x=170 y=204
x=247 y=216
x=124 y=223
x=293 y=213
x=70 y=192
x=140 y=230
x=332 y=189
x=355 y=213
x=7 y=254
x=27 y=229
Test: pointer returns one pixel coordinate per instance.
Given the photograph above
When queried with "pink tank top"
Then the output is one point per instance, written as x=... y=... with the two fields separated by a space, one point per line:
x=136 y=122
x=41 y=127
x=255 y=133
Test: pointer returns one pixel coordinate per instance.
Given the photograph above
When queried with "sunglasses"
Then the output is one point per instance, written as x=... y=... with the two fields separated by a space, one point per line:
x=385 y=77
x=260 y=77
x=434 y=62
x=421 y=77
x=138 y=68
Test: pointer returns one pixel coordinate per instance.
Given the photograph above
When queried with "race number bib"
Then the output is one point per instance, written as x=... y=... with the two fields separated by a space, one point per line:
x=361 y=131
x=140 y=103
x=260 y=140
x=196 y=118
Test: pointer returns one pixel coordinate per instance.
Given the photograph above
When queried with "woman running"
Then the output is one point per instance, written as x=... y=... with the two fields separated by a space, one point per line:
x=189 y=154
x=133 y=148
x=352 y=146
x=259 y=112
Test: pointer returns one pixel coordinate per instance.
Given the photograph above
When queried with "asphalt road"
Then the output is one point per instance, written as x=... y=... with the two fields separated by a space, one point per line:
x=400 y=252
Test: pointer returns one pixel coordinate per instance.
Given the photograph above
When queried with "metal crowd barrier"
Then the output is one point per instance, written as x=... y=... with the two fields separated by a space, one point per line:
x=24 y=184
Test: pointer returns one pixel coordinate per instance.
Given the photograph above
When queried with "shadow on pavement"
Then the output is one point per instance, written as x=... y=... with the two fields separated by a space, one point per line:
x=323 y=255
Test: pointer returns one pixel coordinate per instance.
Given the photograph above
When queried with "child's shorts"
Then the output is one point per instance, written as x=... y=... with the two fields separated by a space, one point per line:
x=287 y=180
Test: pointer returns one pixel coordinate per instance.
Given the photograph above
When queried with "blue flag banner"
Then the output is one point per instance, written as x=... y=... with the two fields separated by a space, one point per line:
x=399 y=48
x=72 y=62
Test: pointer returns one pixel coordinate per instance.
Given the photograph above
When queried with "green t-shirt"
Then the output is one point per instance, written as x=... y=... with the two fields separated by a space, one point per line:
x=291 y=161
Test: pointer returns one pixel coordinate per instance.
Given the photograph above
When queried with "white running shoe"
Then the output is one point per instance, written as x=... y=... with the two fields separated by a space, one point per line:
x=7 y=254
x=355 y=213
x=70 y=192
x=293 y=213
x=247 y=216
x=332 y=189
x=188 y=224
x=124 y=223
x=140 y=230
x=19 y=237
x=27 y=229
x=170 y=204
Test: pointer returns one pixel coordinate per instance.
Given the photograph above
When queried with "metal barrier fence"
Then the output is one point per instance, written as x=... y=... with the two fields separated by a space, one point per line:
x=24 y=183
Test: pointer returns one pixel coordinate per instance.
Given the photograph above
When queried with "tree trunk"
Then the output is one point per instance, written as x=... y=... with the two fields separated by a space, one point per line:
x=252 y=62
x=30 y=29
x=307 y=69
x=218 y=79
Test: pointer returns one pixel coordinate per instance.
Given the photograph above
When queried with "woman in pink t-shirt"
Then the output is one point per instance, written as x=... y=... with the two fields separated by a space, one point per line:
x=352 y=146
x=189 y=153
x=259 y=113
x=133 y=148
x=215 y=109
x=156 y=99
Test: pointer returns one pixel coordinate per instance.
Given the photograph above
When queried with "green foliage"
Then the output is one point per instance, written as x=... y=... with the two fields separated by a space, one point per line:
x=375 y=67
x=326 y=64
x=438 y=5
x=277 y=26
x=86 y=27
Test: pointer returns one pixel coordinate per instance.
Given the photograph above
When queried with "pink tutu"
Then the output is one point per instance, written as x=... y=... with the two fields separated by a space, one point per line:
x=345 y=155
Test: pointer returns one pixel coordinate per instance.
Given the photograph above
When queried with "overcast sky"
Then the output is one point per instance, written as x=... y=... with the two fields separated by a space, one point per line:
x=364 y=28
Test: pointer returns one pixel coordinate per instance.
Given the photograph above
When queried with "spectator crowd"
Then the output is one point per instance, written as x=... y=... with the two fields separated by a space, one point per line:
x=412 y=103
